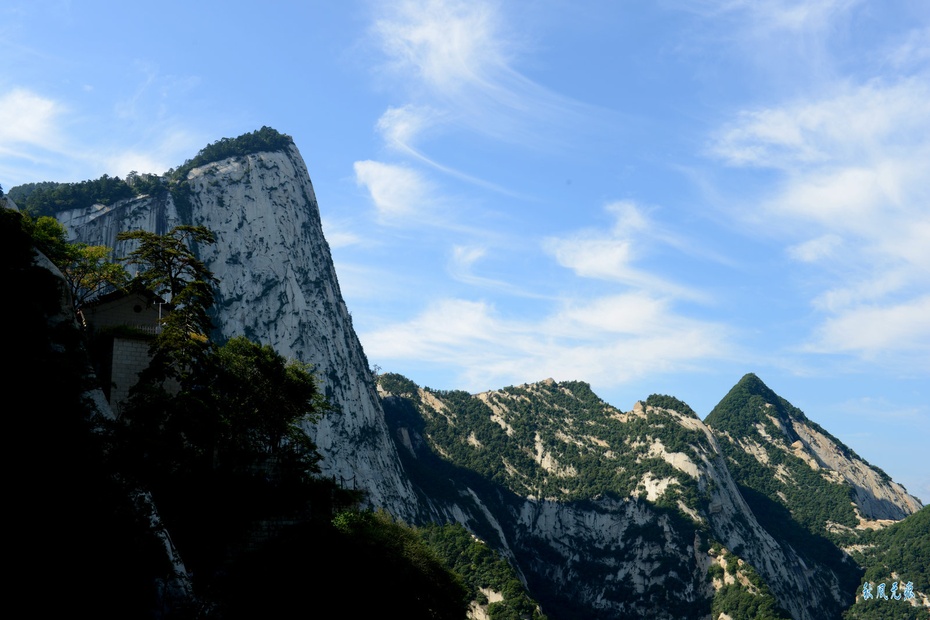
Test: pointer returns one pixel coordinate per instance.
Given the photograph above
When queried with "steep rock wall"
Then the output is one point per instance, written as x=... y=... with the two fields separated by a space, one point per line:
x=277 y=286
x=876 y=497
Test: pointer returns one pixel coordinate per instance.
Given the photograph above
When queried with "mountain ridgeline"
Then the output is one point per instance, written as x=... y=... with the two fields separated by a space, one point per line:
x=754 y=512
x=629 y=514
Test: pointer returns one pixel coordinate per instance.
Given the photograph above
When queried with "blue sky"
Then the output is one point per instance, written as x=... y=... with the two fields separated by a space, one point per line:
x=652 y=196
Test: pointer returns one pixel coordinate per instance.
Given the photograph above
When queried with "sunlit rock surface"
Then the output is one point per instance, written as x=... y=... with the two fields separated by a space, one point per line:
x=277 y=286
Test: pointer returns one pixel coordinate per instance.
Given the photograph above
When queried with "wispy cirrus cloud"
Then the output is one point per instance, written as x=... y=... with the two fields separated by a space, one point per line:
x=34 y=137
x=773 y=16
x=613 y=255
x=864 y=123
x=448 y=45
x=852 y=195
x=462 y=261
x=607 y=341
x=914 y=50
x=39 y=135
x=875 y=331
x=455 y=62
x=814 y=250
x=401 y=128
x=793 y=15
x=462 y=267
x=396 y=191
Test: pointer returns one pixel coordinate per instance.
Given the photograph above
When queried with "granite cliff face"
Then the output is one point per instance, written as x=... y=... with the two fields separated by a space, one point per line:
x=277 y=286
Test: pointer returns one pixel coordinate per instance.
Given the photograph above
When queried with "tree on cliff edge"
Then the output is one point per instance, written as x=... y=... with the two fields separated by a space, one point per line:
x=168 y=267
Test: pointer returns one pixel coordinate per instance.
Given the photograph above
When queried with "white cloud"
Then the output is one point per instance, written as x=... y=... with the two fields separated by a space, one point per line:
x=28 y=120
x=855 y=164
x=465 y=256
x=612 y=255
x=914 y=50
x=875 y=330
x=456 y=61
x=592 y=256
x=860 y=290
x=400 y=127
x=631 y=313
x=39 y=140
x=397 y=191
x=449 y=44
x=816 y=249
x=774 y=17
x=608 y=341
x=857 y=124
x=858 y=199
x=853 y=183
x=795 y=15
x=630 y=217
x=463 y=260
x=127 y=161
x=461 y=268
x=338 y=234
x=438 y=334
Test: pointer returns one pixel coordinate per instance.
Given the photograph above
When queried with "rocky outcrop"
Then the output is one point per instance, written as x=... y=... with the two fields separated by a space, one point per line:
x=789 y=458
x=637 y=546
x=877 y=497
x=277 y=286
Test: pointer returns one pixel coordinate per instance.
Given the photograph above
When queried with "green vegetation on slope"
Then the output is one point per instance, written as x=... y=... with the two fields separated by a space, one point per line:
x=482 y=568
x=900 y=552
x=476 y=451
x=785 y=479
x=737 y=602
x=361 y=564
x=795 y=503
x=505 y=437
x=51 y=198
x=746 y=596
x=264 y=140
x=560 y=441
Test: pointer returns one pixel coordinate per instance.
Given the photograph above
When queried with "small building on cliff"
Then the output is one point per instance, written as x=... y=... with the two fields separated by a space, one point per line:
x=122 y=326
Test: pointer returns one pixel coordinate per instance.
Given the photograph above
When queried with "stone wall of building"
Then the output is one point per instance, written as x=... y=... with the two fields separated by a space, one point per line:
x=130 y=357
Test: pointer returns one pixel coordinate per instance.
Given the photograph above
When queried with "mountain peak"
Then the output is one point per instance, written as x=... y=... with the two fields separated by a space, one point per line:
x=783 y=455
x=752 y=383
x=264 y=140
x=749 y=403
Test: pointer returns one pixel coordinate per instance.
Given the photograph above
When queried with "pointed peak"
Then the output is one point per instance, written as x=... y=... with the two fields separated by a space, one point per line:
x=748 y=402
x=754 y=385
